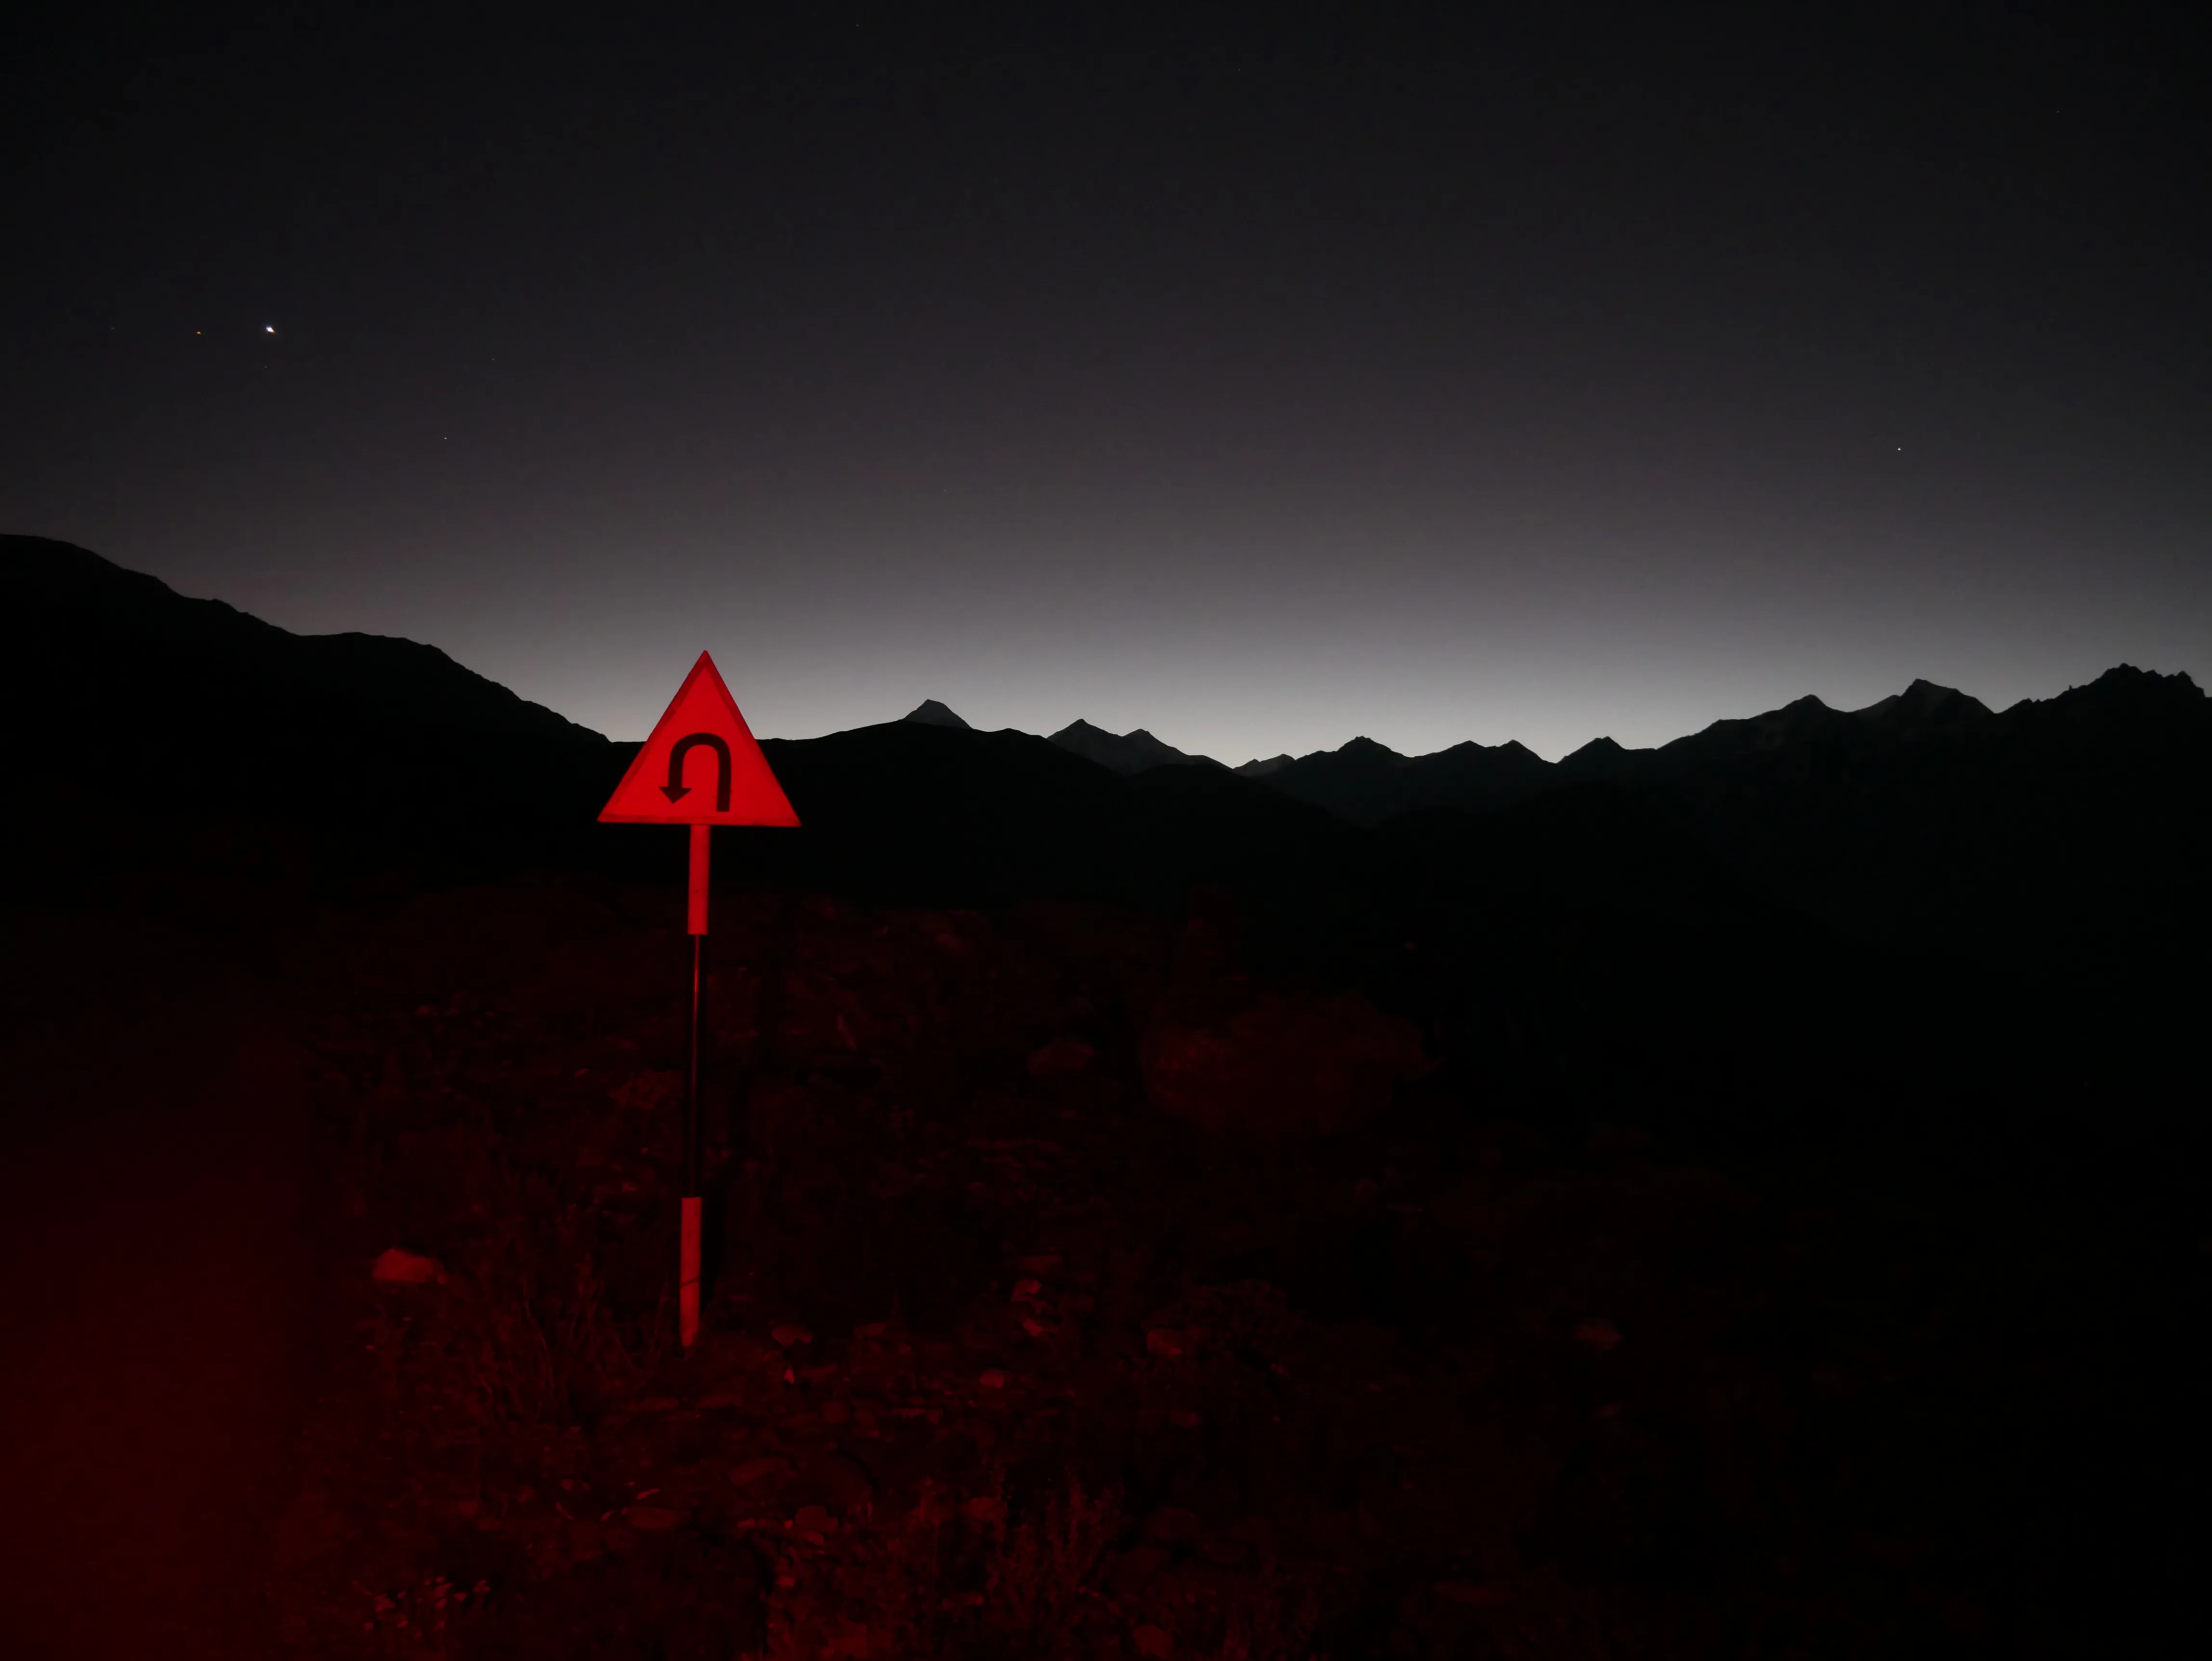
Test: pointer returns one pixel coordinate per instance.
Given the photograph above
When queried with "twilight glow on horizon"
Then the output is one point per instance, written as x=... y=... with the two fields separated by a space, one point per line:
x=1609 y=375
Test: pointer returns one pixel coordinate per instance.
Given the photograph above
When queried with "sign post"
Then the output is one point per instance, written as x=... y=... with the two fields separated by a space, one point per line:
x=702 y=717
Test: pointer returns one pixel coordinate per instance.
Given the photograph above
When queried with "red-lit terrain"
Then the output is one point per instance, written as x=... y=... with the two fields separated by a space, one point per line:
x=167 y=1311
x=1753 y=1212
x=1002 y=1357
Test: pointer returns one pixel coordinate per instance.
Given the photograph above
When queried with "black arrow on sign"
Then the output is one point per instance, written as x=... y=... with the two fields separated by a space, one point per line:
x=676 y=790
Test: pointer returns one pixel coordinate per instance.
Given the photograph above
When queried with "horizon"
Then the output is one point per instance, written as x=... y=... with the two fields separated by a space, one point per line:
x=1649 y=732
x=1531 y=379
x=1196 y=752
x=1419 y=755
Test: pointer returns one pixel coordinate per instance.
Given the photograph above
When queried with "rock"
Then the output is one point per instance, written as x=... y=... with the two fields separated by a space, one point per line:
x=791 y=1333
x=655 y=1518
x=396 y=1268
x=1153 y=1643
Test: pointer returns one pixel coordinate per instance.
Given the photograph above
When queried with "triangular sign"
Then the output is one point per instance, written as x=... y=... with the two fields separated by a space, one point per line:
x=702 y=765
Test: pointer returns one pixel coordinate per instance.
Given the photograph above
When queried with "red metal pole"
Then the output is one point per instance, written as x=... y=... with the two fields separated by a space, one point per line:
x=687 y=1269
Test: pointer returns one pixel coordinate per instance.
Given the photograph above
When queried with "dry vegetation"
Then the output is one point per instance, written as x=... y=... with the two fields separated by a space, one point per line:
x=1003 y=1360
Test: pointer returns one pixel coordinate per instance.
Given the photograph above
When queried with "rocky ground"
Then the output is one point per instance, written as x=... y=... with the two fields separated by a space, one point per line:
x=1018 y=1348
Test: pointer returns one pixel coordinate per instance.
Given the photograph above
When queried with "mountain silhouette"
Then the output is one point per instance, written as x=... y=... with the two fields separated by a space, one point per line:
x=2066 y=831
x=84 y=621
x=1124 y=752
x=1906 y=953
x=2058 y=831
x=1367 y=782
x=132 y=707
x=1924 y=709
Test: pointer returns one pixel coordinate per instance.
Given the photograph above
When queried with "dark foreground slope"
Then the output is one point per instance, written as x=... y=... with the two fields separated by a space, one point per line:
x=1859 y=902
x=1004 y=1359
x=2062 y=833
x=1712 y=1282
x=909 y=811
x=137 y=719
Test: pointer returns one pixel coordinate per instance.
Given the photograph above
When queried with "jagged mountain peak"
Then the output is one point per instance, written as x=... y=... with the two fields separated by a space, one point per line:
x=1367 y=749
x=1744 y=735
x=2124 y=699
x=2125 y=680
x=1924 y=709
x=1599 y=759
x=1134 y=751
x=930 y=712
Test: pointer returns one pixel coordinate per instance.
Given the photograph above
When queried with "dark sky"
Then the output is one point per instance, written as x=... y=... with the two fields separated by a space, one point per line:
x=1260 y=378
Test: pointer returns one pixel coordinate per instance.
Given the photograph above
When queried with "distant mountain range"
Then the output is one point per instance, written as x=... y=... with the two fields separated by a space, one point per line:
x=1125 y=753
x=2056 y=827
x=2070 y=829
x=1368 y=783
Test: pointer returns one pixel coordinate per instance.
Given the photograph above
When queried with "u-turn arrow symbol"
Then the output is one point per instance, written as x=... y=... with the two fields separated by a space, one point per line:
x=676 y=790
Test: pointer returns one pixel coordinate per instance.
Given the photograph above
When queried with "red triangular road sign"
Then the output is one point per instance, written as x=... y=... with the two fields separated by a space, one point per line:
x=702 y=765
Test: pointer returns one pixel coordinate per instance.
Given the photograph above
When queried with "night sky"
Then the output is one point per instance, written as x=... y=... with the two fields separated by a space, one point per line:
x=1261 y=380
